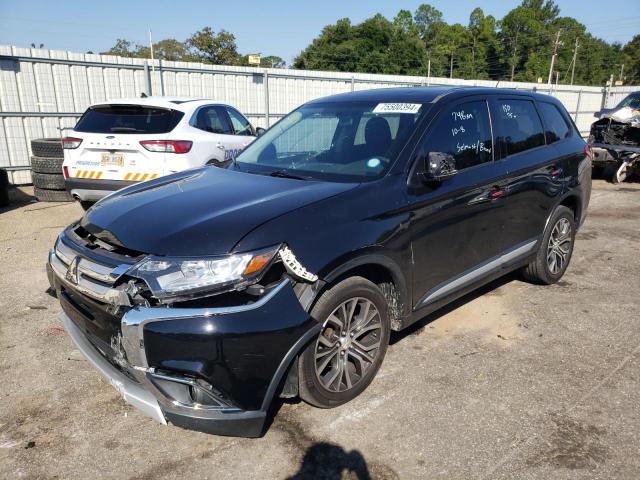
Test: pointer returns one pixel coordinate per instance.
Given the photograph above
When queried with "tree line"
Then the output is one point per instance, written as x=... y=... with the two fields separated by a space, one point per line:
x=206 y=46
x=518 y=47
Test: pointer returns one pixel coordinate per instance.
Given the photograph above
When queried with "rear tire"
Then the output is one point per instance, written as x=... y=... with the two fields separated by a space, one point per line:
x=46 y=165
x=48 y=181
x=343 y=360
x=52 y=195
x=47 y=147
x=555 y=249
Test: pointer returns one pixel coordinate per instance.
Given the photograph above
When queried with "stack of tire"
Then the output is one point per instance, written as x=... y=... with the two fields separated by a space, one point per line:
x=46 y=170
x=4 y=188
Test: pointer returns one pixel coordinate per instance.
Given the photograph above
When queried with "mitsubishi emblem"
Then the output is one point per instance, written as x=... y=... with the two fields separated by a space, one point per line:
x=72 y=271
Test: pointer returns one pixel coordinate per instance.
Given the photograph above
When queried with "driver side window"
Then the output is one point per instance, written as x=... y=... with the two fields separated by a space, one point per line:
x=463 y=131
x=241 y=125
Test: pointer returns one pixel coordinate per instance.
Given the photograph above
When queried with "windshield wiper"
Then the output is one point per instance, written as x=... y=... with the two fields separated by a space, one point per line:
x=286 y=174
x=124 y=129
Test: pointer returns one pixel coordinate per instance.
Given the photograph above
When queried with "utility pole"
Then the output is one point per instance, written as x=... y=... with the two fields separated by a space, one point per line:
x=153 y=69
x=556 y=44
x=513 y=55
x=451 y=66
x=621 y=71
x=573 y=61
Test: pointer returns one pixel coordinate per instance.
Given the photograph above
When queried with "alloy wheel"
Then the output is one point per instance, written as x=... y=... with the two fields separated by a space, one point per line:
x=348 y=344
x=559 y=246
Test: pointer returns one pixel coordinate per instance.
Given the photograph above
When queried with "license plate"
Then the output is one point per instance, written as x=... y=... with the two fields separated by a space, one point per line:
x=112 y=159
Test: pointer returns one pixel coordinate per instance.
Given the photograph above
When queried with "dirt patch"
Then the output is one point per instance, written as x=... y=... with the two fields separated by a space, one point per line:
x=484 y=317
x=586 y=235
x=613 y=213
x=573 y=445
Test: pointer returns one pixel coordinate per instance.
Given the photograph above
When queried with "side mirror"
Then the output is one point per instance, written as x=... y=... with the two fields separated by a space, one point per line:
x=260 y=131
x=438 y=166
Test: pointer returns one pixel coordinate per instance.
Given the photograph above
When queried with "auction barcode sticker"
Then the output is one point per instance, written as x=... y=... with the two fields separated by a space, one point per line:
x=397 y=108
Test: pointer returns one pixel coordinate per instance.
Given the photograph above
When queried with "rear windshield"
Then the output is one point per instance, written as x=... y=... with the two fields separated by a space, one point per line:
x=128 y=119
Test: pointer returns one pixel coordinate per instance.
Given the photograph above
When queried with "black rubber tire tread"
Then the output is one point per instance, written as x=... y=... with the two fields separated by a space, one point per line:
x=47 y=147
x=4 y=188
x=48 y=181
x=310 y=389
x=46 y=165
x=538 y=270
x=52 y=195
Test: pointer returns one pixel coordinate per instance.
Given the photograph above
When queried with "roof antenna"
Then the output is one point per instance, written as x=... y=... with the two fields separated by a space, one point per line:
x=143 y=95
x=497 y=83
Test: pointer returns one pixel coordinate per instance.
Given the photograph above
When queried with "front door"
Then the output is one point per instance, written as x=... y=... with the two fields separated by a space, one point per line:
x=456 y=225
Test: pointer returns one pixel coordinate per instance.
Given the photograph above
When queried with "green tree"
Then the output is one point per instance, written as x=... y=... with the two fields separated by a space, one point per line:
x=631 y=53
x=374 y=46
x=171 y=49
x=122 y=48
x=210 y=47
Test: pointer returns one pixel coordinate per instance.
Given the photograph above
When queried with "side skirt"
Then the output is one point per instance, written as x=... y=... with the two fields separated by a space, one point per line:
x=467 y=281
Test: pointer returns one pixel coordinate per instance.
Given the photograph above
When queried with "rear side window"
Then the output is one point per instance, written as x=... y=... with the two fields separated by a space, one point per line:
x=128 y=119
x=463 y=131
x=521 y=125
x=555 y=125
x=213 y=120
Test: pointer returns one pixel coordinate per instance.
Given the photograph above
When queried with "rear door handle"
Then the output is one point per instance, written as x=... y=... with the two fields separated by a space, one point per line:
x=220 y=146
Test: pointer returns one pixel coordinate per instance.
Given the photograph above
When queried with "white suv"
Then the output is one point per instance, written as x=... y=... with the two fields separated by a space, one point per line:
x=120 y=142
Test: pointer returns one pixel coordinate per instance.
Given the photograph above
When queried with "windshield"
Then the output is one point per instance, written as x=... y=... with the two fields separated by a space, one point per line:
x=342 y=141
x=632 y=101
x=128 y=119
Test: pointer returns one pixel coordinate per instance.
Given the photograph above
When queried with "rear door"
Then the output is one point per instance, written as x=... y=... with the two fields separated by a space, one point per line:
x=456 y=225
x=535 y=170
x=111 y=136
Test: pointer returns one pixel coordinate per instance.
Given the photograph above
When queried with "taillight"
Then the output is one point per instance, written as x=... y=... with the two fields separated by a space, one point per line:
x=70 y=143
x=167 y=146
x=65 y=172
x=588 y=151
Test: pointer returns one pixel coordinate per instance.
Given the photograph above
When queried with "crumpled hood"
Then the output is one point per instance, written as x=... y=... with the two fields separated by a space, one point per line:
x=199 y=212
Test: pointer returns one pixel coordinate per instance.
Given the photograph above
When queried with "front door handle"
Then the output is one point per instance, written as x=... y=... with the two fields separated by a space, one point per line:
x=554 y=170
x=496 y=192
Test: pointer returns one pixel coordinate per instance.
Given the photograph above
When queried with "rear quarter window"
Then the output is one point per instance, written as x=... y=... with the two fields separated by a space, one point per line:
x=136 y=119
x=521 y=128
x=555 y=125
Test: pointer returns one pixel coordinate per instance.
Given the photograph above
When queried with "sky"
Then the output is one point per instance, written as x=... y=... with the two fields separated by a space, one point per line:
x=269 y=27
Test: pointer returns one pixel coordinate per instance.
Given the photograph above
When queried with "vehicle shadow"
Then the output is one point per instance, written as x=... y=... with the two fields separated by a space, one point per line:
x=423 y=322
x=17 y=198
x=328 y=461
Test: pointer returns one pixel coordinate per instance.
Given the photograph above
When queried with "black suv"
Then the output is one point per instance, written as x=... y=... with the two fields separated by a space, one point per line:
x=204 y=294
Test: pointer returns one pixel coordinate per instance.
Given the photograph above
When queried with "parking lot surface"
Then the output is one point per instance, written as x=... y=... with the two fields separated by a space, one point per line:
x=514 y=381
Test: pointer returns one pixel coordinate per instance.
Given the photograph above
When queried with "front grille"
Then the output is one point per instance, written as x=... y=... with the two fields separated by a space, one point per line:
x=78 y=268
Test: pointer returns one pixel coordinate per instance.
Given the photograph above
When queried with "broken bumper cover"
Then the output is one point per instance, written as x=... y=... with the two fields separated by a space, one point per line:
x=237 y=355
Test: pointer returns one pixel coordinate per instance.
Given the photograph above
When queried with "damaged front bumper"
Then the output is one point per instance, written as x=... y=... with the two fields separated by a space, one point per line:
x=211 y=369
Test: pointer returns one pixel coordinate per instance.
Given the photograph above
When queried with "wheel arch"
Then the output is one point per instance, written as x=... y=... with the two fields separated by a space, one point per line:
x=384 y=272
x=573 y=202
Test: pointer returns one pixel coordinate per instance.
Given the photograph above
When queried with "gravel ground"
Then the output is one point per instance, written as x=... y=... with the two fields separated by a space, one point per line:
x=514 y=381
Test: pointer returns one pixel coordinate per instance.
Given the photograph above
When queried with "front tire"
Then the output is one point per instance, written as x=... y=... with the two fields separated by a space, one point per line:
x=555 y=250
x=343 y=360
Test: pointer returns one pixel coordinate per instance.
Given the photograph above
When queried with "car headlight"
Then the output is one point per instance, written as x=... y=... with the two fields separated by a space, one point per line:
x=187 y=277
